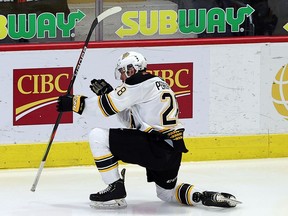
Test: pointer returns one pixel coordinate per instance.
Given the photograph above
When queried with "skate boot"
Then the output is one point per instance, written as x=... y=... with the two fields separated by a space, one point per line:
x=111 y=197
x=210 y=198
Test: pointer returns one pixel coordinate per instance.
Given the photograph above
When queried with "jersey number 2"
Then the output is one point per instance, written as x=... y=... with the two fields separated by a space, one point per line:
x=167 y=119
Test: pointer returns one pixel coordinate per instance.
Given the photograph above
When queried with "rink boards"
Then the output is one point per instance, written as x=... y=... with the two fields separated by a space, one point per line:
x=231 y=92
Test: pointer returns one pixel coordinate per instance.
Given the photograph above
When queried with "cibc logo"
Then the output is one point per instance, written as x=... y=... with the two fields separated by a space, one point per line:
x=179 y=76
x=35 y=92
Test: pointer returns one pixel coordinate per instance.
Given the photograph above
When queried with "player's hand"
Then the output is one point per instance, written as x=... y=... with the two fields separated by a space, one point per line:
x=68 y=103
x=100 y=87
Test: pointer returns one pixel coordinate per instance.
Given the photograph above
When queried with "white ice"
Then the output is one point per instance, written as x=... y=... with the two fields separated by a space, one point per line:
x=260 y=184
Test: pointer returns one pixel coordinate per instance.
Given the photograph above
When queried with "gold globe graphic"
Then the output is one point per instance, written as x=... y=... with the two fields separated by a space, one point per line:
x=280 y=91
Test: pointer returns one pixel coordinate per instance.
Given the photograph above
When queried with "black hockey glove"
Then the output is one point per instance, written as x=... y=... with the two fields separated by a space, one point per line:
x=100 y=87
x=68 y=103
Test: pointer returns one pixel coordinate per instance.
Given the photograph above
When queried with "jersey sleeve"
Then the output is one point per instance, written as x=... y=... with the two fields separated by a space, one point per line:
x=123 y=97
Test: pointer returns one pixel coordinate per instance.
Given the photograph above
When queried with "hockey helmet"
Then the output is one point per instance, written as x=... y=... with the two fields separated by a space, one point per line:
x=128 y=60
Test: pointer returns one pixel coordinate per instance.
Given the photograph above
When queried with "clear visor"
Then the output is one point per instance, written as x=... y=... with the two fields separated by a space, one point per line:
x=120 y=70
x=117 y=74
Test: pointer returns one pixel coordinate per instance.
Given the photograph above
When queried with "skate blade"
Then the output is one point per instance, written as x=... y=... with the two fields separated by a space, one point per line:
x=231 y=202
x=112 y=204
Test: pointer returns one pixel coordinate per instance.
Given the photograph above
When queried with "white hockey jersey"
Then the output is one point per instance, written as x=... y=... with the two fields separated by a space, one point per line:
x=144 y=101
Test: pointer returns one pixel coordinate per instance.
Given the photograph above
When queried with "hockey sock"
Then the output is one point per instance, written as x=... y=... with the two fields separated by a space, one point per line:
x=104 y=160
x=183 y=194
x=187 y=194
x=107 y=165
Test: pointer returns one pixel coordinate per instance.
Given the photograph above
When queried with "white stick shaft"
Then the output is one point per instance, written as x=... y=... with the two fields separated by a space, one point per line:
x=33 y=188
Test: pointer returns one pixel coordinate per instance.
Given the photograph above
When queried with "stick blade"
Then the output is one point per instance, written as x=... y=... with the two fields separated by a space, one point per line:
x=109 y=12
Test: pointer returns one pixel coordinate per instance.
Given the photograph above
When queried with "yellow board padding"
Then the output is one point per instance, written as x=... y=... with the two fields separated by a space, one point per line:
x=30 y=155
x=227 y=148
x=278 y=146
x=200 y=149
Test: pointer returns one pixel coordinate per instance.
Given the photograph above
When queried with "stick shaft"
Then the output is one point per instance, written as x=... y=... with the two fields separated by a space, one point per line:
x=102 y=16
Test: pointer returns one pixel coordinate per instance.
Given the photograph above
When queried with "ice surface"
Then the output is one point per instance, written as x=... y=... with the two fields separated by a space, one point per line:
x=260 y=184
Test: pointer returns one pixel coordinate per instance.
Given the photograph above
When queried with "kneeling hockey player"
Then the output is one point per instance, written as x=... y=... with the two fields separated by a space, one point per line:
x=153 y=138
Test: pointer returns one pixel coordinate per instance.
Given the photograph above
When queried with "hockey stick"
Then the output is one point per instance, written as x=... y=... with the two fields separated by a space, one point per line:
x=98 y=19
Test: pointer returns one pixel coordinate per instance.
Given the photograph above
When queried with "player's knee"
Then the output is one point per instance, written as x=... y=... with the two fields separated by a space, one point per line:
x=99 y=137
x=164 y=194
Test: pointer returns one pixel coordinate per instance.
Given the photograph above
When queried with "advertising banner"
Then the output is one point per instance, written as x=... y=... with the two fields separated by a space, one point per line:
x=35 y=92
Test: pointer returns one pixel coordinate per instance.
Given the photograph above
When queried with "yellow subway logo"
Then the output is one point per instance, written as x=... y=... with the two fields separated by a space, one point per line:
x=192 y=21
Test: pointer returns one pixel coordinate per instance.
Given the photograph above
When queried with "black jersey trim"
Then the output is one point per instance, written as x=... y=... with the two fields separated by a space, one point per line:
x=139 y=78
x=107 y=106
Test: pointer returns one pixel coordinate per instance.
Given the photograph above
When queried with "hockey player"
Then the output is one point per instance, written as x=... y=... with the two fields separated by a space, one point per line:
x=153 y=138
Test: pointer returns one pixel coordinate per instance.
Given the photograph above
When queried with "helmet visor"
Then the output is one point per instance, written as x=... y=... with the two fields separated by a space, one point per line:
x=120 y=70
x=117 y=74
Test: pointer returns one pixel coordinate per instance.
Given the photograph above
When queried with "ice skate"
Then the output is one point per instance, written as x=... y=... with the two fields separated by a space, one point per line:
x=111 y=197
x=210 y=198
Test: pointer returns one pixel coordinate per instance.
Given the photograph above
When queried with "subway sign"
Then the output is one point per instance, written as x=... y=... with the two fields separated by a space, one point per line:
x=192 y=21
x=45 y=25
x=147 y=23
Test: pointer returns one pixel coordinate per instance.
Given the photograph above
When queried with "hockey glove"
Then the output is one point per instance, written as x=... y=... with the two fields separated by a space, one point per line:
x=100 y=87
x=68 y=103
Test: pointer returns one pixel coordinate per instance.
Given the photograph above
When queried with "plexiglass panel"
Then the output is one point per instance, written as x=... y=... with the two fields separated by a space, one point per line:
x=42 y=21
